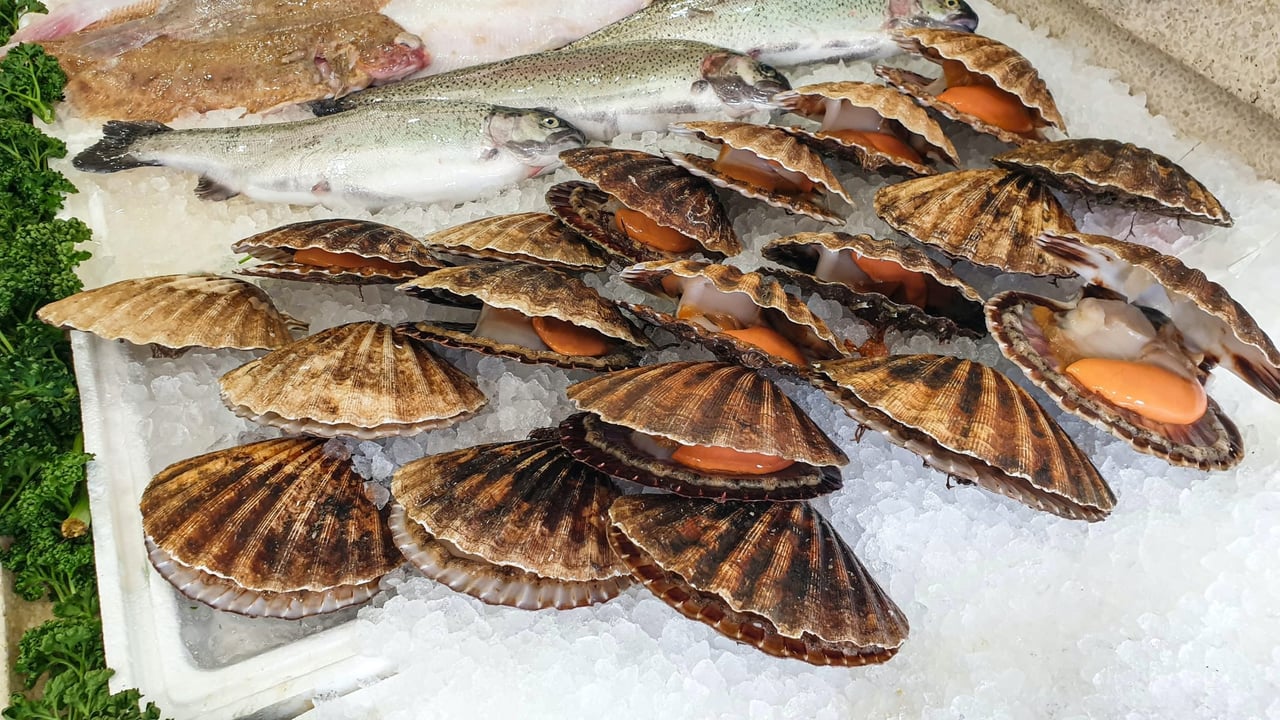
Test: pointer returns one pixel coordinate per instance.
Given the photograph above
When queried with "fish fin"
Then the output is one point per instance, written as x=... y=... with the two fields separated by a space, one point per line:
x=113 y=152
x=327 y=106
x=209 y=189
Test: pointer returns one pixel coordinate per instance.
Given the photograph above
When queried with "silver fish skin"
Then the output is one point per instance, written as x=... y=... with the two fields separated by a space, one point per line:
x=371 y=157
x=788 y=32
x=606 y=90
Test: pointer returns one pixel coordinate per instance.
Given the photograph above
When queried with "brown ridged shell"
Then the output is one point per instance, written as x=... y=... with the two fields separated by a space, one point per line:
x=281 y=517
x=768 y=143
x=1120 y=173
x=775 y=576
x=176 y=311
x=363 y=379
x=358 y=237
x=970 y=421
x=584 y=208
x=917 y=86
x=989 y=217
x=1210 y=443
x=530 y=237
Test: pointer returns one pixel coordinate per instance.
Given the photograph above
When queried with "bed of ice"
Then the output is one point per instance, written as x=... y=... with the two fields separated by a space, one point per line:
x=1167 y=609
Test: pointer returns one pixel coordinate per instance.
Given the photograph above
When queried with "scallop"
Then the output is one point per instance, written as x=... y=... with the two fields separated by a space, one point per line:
x=701 y=430
x=764 y=163
x=775 y=576
x=176 y=312
x=349 y=252
x=531 y=237
x=365 y=379
x=972 y=422
x=520 y=524
x=279 y=528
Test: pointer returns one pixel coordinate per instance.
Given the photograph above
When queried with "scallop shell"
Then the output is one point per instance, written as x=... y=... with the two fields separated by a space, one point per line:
x=536 y=292
x=1120 y=173
x=359 y=237
x=526 y=515
x=769 y=143
x=970 y=421
x=964 y=318
x=176 y=311
x=530 y=237
x=278 y=528
x=989 y=217
x=775 y=576
x=787 y=314
x=365 y=379
x=890 y=104
x=1210 y=443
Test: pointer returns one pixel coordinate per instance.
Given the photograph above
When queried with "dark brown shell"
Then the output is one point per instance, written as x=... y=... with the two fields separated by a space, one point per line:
x=280 y=517
x=970 y=421
x=584 y=208
x=365 y=379
x=176 y=311
x=776 y=576
x=530 y=237
x=1210 y=443
x=359 y=237
x=1120 y=173
x=989 y=217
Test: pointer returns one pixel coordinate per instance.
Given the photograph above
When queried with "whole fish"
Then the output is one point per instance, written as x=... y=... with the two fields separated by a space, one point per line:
x=789 y=32
x=606 y=90
x=371 y=157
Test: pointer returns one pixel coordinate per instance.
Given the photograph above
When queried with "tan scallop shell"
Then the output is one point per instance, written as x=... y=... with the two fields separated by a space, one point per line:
x=768 y=143
x=176 y=311
x=972 y=422
x=278 y=528
x=364 y=379
x=358 y=237
x=787 y=314
x=526 y=513
x=903 y=114
x=1120 y=173
x=988 y=217
x=773 y=575
x=530 y=237
x=1210 y=443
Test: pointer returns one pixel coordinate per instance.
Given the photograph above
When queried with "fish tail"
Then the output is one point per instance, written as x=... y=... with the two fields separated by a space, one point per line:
x=114 y=152
x=327 y=106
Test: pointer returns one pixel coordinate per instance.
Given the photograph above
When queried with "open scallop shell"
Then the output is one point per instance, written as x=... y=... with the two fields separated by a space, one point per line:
x=905 y=117
x=530 y=237
x=536 y=292
x=988 y=217
x=278 y=247
x=1120 y=173
x=777 y=577
x=176 y=311
x=519 y=524
x=278 y=528
x=972 y=422
x=767 y=143
x=785 y=313
x=961 y=315
x=365 y=379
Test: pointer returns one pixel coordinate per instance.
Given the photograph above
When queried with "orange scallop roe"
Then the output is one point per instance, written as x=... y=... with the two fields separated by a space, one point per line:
x=992 y=105
x=913 y=285
x=639 y=227
x=324 y=258
x=886 y=143
x=763 y=173
x=708 y=458
x=1149 y=390
x=769 y=340
x=568 y=339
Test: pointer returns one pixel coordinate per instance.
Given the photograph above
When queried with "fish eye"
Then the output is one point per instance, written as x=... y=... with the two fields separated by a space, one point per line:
x=551 y=122
x=953 y=3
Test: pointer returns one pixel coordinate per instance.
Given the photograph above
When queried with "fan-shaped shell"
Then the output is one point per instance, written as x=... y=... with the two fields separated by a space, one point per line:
x=363 y=379
x=585 y=209
x=1120 y=173
x=526 y=507
x=989 y=217
x=278 y=247
x=768 y=143
x=970 y=421
x=268 y=529
x=1210 y=443
x=775 y=576
x=176 y=311
x=530 y=237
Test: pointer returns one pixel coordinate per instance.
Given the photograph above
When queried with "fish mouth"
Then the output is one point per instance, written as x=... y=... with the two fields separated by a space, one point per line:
x=965 y=20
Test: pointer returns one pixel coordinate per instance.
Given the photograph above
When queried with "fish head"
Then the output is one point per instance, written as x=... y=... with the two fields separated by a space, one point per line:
x=742 y=83
x=941 y=14
x=395 y=60
x=535 y=137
